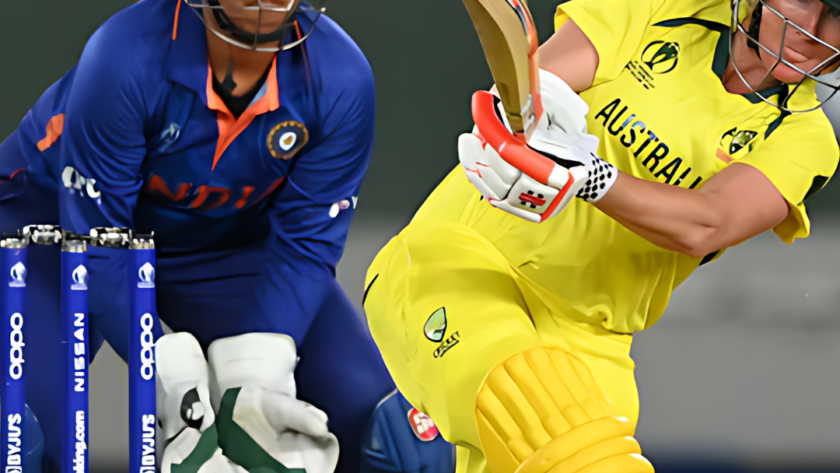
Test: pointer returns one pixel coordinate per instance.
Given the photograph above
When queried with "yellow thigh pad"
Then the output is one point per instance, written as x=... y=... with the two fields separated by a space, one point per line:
x=542 y=412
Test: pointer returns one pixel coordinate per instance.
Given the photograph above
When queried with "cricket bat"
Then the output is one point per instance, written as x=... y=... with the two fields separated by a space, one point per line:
x=509 y=39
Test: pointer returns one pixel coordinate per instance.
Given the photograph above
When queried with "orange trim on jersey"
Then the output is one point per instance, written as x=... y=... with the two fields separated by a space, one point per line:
x=175 y=26
x=55 y=127
x=230 y=127
x=271 y=189
x=246 y=192
x=723 y=156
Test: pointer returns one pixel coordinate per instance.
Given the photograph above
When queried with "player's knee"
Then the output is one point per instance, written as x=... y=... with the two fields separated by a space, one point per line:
x=542 y=411
x=400 y=439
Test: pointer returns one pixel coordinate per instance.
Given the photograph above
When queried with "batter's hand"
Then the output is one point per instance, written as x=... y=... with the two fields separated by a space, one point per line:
x=535 y=181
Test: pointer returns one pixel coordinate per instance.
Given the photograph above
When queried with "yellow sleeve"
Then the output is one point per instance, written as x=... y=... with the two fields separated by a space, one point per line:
x=799 y=157
x=615 y=28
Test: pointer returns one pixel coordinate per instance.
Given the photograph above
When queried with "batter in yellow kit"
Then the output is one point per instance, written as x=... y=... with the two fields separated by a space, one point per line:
x=515 y=336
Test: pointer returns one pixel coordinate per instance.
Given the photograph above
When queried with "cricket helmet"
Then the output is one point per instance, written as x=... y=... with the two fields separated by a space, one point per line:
x=822 y=73
x=297 y=21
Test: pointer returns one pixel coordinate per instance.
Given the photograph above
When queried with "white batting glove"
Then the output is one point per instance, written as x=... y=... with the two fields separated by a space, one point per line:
x=537 y=181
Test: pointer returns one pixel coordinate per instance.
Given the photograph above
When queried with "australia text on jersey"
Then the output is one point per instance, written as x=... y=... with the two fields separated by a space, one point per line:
x=646 y=146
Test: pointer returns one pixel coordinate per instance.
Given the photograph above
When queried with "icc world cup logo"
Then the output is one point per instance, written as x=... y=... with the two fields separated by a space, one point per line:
x=80 y=279
x=18 y=276
x=661 y=57
x=146 y=276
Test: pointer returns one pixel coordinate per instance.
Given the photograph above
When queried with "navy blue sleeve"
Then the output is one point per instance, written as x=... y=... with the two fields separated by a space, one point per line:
x=103 y=144
x=311 y=216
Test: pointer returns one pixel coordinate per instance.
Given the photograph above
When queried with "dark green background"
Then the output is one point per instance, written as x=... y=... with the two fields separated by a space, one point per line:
x=425 y=55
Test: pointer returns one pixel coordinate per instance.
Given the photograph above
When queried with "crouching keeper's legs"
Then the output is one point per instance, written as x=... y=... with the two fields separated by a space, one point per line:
x=457 y=335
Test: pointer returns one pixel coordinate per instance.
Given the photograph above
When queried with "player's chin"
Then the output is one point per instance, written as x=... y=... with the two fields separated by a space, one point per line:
x=265 y=23
x=788 y=75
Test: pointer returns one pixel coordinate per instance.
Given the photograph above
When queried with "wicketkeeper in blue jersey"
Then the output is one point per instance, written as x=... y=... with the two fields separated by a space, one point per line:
x=239 y=132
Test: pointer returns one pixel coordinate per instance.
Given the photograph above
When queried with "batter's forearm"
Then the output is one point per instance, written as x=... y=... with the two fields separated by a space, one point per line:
x=668 y=216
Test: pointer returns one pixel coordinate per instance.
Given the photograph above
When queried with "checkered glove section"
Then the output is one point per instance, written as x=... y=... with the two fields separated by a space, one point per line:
x=600 y=177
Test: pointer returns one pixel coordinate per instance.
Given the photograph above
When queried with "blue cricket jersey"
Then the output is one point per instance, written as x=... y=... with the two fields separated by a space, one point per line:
x=134 y=136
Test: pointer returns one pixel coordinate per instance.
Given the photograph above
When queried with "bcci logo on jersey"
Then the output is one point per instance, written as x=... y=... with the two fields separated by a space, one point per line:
x=146 y=276
x=18 y=276
x=286 y=139
x=658 y=57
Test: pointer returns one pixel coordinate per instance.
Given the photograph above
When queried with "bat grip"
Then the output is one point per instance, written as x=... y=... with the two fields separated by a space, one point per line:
x=511 y=149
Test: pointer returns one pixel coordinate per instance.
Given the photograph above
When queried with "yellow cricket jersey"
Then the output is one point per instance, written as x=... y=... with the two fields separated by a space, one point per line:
x=662 y=114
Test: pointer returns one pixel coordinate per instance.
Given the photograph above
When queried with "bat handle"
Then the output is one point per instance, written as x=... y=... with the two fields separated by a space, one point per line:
x=511 y=148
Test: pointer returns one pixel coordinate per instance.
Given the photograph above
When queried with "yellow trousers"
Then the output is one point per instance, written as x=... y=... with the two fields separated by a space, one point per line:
x=445 y=308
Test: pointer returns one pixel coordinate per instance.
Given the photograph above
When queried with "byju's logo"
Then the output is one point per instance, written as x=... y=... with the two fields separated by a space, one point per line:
x=14 y=464
x=148 y=458
x=80 y=279
x=18 y=276
x=146 y=276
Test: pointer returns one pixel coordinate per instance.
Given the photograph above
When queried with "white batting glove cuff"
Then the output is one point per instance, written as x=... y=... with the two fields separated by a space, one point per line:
x=602 y=176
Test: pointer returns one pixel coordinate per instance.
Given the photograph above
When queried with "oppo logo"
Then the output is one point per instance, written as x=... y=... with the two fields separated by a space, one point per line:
x=147 y=345
x=16 y=350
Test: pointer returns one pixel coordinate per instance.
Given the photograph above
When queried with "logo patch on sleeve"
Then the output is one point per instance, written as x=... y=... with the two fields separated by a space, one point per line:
x=422 y=425
x=286 y=139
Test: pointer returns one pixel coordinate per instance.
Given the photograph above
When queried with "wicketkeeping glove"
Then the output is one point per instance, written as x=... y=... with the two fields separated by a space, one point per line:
x=535 y=181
